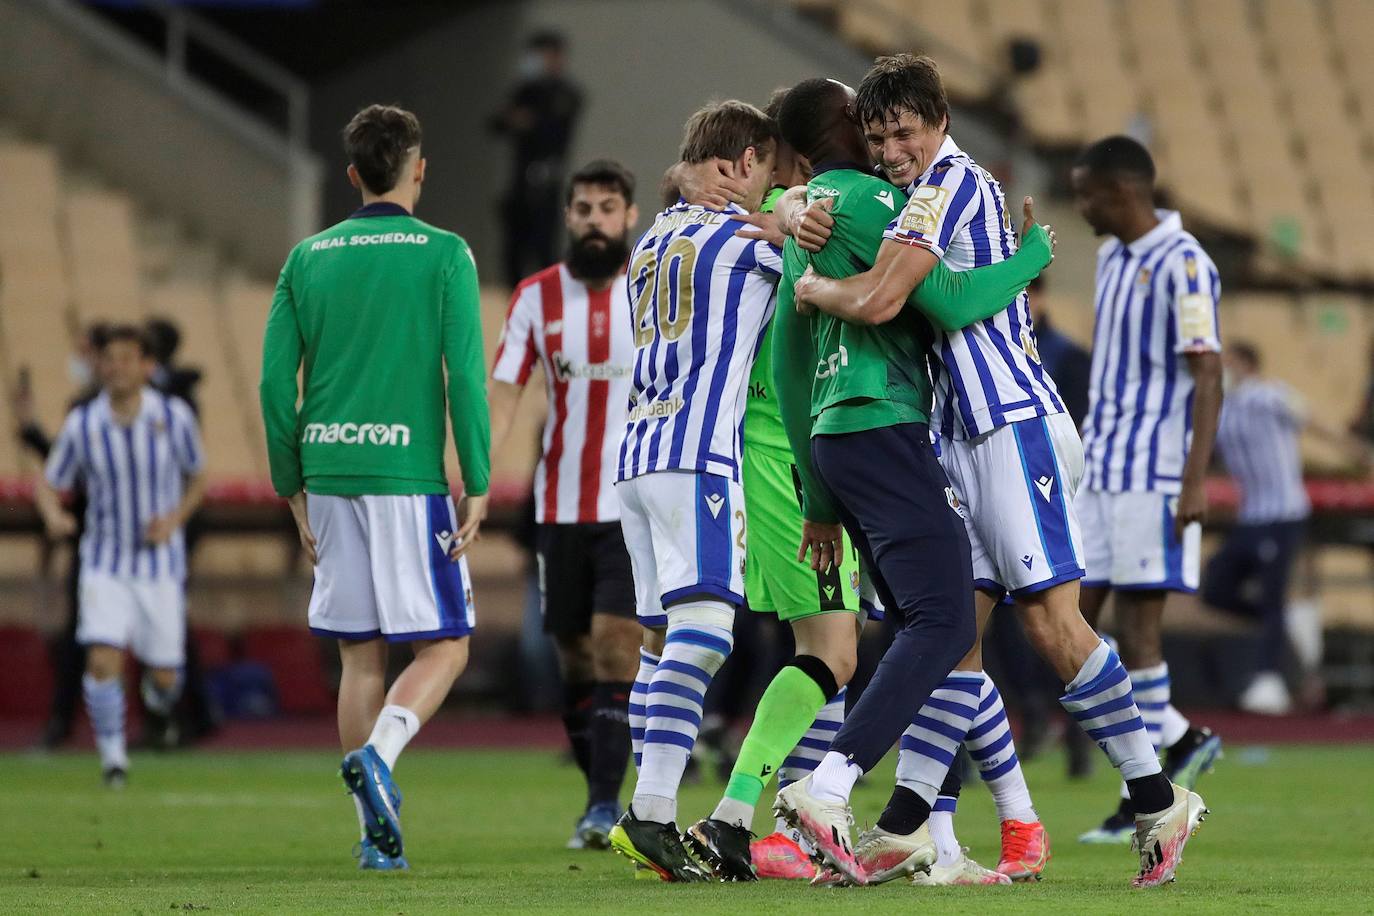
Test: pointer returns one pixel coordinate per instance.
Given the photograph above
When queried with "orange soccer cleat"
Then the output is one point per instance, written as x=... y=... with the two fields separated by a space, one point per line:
x=779 y=856
x=1025 y=850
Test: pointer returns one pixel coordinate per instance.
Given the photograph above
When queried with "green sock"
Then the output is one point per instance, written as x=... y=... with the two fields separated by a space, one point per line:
x=785 y=712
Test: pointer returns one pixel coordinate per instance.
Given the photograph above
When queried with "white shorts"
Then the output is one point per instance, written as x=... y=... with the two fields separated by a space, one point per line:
x=1131 y=543
x=1016 y=486
x=685 y=534
x=384 y=570
x=145 y=616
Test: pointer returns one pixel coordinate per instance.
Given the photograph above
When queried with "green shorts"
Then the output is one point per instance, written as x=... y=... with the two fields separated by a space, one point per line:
x=774 y=582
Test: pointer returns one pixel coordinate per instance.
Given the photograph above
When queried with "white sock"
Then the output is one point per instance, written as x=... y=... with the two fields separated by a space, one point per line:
x=1173 y=726
x=834 y=778
x=105 y=707
x=942 y=831
x=734 y=811
x=656 y=808
x=362 y=817
x=395 y=727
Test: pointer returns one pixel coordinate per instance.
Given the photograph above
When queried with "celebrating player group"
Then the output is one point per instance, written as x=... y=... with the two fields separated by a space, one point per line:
x=811 y=388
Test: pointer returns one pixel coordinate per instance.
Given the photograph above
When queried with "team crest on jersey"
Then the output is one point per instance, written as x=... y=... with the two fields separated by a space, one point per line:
x=954 y=503
x=924 y=209
x=1029 y=346
x=1143 y=278
x=854 y=582
x=1190 y=264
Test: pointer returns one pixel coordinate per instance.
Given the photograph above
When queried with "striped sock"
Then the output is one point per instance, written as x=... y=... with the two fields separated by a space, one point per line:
x=105 y=707
x=648 y=664
x=813 y=745
x=990 y=745
x=692 y=654
x=1100 y=698
x=942 y=830
x=928 y=746
x=1151 y=689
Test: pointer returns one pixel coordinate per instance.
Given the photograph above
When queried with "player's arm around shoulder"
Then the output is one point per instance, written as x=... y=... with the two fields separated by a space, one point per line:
x=467 y=398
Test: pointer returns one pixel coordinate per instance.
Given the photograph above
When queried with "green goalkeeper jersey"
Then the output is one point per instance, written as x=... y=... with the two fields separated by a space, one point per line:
x=833 y=377
x=372 y=311
x=762 y=421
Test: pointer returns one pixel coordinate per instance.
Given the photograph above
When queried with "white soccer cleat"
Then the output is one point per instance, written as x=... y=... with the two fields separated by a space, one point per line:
x=962 y=872
x=885 y=855
x=1161 y=836
x=826 y=824
x=1267 y=695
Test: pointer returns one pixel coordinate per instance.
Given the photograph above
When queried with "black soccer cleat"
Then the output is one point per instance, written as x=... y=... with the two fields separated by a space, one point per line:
x=115 y=778
x=656 y=847
x=1191 y=756
x=723 y=847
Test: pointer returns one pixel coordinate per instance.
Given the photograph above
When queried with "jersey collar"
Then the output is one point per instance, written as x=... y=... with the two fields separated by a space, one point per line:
x=379 y=208
x=948 y=148
x=1170 y=223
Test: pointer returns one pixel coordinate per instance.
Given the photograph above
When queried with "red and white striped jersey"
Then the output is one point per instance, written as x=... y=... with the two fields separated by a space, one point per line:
x=584 y=340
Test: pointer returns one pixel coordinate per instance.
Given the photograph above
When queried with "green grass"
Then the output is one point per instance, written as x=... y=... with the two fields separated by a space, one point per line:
x=1291 y=831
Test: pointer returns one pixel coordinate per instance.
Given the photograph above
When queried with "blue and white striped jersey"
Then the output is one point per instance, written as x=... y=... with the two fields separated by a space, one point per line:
x=988 y=374
x=133 y=474
x=1258 y=438
x=1156 y=300
x=700 y=299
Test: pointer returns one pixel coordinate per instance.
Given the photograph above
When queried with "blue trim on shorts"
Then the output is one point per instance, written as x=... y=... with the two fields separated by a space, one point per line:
x=445 y=575
x=1173 y=547
x=1048 y=583
x=1036 y=451
x=1166 y=585
x=719 y=590
x=652 y=621
x=362 y=636
x=713 y=530
x=1095 y=583
x=455 y=632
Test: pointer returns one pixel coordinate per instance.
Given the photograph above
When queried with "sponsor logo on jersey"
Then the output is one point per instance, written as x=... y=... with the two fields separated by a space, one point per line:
x=566 y=370
x=1028 y=560
x=1029 y=346
x=924 y=209
x=885 y=198
x=655 y=410
x=445 y=539
x=714 y=502
x=358 y=433
x=833 y=363
x=553 y=327
x=376 y=238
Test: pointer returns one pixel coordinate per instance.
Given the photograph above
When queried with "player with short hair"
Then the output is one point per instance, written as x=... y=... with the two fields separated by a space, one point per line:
x=138 y=453
x=822 y=620
x=1012 y=455
x=378 y=310
x=1155 y=400
x=572 y=319
x=700 y=297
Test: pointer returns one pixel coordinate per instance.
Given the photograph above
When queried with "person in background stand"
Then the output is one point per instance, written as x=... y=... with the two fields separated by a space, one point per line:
x=67 y=655
x=539 y=118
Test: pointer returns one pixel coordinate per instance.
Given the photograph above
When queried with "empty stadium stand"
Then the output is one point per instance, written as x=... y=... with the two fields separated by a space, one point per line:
x=1234 y=96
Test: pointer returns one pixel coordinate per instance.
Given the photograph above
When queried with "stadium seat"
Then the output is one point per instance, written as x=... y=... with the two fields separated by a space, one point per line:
x=102 y=253
x=293 y=657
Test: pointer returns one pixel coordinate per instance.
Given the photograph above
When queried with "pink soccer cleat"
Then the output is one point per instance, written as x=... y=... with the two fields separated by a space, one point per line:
x=779 y=856
x=1025 y=850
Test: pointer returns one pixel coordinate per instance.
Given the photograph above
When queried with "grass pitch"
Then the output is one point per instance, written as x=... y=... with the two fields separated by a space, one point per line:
x=1292 y=830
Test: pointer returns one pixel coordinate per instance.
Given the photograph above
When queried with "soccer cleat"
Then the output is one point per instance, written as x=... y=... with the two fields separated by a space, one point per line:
x=962 y=872
x=1025 y=850
x=885 y=855
x=825 y=824
x=594 y=829
x=370 y=858
x=115 y=778
x=575 y=841
x=657 y=847
x=1191 y=756
x=1160 y=837
x=779 y=856
x=369 y=780
x=723 y=847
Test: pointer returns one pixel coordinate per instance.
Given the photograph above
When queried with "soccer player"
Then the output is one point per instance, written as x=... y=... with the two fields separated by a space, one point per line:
x=700 y=297
x=137 y=452
x=1154 y=402
x=573 y=319
x=377 y=308
x=1012 y=455
x=813 y=599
